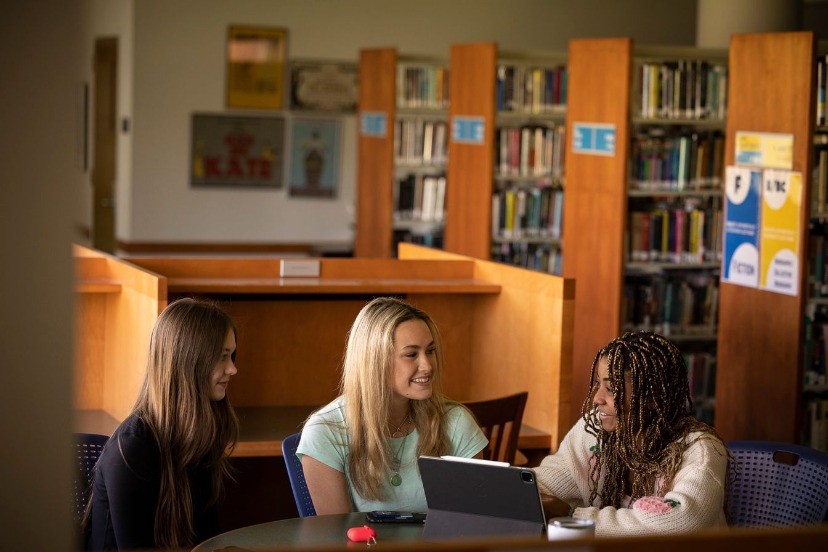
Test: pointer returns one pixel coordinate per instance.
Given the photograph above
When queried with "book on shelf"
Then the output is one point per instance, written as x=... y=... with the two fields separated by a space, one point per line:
x=420 y=197
x=419 y=142
x=680 y=160
x=682 y=89
x=530 y=150
x=684 y=231
x=701 y=375
x=422 y=86
x=527 y=213
x=816 y=346
x=543 y=257
x=671 y=304
x=822 y=77
x=531 y=89
x=819 y=200
x=816 y=424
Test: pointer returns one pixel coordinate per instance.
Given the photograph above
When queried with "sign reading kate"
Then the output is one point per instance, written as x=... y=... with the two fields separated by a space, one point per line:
x=237 y=150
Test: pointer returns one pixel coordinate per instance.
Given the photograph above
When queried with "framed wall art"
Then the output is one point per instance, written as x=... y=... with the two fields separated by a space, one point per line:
x=315 y=152
x=235 y=150
x=324 y=86
x=256 y=67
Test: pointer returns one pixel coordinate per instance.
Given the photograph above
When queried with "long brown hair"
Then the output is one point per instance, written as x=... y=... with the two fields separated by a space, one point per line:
x=175 y=402
x=367 y=387
x=654 y=421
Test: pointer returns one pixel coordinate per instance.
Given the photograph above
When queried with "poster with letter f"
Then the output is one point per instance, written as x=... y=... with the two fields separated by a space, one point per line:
x=743 y=191
x=780 y=235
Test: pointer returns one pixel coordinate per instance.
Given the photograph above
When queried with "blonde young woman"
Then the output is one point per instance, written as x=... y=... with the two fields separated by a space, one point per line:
x=159 y=477
x=359 y=453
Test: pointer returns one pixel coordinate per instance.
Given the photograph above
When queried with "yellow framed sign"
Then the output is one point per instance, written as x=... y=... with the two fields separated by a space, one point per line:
x=256 y=62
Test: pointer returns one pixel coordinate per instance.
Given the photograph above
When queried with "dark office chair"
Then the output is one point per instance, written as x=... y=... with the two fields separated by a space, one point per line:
x=500 y=421
x=297 y=476
x=88 y=447
x=777 y=484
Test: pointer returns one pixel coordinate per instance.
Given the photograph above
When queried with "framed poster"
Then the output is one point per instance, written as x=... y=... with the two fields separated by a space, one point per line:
x=256 y=67
x=237 y=150
x=324 y=86
x=315 y=151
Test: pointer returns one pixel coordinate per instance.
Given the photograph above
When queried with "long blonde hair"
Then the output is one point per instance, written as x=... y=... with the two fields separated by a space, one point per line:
x=367 y=388
x=190 y=427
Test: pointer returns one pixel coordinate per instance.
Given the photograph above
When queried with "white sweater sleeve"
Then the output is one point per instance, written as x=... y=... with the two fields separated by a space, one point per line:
x=565 y=474
x=696 y=496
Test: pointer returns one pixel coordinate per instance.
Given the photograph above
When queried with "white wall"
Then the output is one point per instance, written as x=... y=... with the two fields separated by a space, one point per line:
x=178 y=68
x=717 y=20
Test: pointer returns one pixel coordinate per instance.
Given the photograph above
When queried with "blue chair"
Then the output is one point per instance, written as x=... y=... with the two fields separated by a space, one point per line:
x=88 y=447
x=777 y=484
x=296 y=476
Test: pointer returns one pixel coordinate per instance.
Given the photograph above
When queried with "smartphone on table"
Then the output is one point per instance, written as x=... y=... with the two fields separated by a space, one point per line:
x=394 y=516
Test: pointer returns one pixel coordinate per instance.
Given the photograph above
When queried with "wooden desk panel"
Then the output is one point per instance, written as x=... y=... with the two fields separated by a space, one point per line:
x=263 y=428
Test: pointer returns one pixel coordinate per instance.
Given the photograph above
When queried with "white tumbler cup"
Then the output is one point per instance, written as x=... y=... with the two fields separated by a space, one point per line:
x=563 y=528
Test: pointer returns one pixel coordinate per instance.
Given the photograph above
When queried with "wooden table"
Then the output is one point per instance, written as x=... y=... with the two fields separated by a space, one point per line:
x=314 y=531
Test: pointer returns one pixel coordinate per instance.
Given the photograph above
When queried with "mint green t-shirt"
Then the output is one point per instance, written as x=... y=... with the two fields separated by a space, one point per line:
x=324 y=440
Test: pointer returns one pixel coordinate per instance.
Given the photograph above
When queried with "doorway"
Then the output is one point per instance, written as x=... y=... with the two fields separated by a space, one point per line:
x=105 y=124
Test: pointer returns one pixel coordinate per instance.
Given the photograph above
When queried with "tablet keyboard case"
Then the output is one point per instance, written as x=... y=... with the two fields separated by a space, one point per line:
x=476 y=500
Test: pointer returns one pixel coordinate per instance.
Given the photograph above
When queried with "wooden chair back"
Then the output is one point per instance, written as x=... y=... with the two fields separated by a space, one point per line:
x=500 y=421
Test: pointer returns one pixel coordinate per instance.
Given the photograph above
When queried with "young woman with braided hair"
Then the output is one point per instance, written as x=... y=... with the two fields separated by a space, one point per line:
x=638 y=462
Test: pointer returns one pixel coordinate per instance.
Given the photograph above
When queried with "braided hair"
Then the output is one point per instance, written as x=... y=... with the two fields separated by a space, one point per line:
x=654 y=410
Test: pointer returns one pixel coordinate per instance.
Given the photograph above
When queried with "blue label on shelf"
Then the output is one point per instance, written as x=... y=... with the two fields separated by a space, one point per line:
x=593 y=139
x=468 y=130
x=373 y=123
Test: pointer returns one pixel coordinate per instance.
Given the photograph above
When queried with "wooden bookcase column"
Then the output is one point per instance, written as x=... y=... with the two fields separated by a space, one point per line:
x=761 y=334
x=595 y=205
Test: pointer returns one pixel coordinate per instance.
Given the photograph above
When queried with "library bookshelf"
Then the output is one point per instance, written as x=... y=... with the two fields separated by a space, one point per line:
x=815 y=364
x=506 y=175
x=402 y=159
x=641 y=222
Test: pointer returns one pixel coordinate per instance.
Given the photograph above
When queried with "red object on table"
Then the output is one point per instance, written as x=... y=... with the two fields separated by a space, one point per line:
x=361 y=534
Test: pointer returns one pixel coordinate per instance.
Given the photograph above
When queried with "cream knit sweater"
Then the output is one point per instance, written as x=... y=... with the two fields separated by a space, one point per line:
x=694 y=501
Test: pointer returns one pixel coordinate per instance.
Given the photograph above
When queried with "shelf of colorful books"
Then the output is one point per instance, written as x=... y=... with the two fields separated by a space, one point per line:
x=527 y=200
x=402 y=143
x=676 y=159
x=673 y=234
x=422 y=84
x=659 y=266
x=503 y=181
x=419 y=198
x=541 y=255
x=815 y=351
x=679 y=84
x=669 y=123
x=529 y=215
x=420 y=150
x=647 y=189
x=815 y=375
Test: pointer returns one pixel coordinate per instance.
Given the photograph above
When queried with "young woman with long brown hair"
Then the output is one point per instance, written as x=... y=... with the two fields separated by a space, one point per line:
x=638 y=462
x=359 y=453
x=160 y=475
